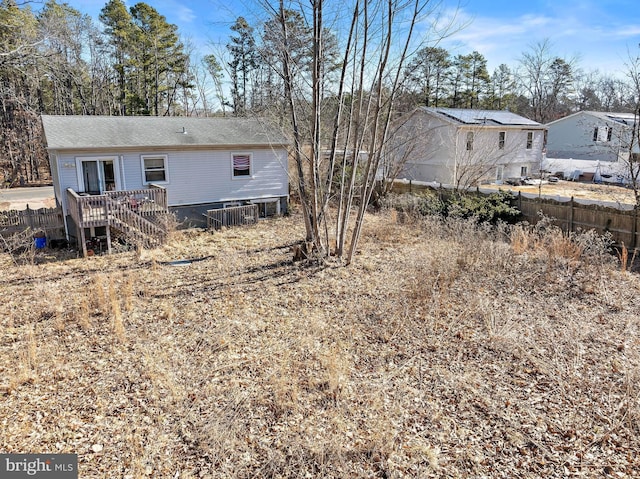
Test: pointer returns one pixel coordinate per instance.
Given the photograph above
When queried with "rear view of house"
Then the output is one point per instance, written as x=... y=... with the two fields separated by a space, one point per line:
x=183 y=164
x=465 y=147
x=592 y=142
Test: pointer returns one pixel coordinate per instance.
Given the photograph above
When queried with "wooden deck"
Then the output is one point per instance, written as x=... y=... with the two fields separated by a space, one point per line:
x=132 y=214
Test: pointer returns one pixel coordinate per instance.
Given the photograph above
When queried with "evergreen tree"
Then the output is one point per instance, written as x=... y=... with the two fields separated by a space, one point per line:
x=501 y=91
x=119 y=30
x=159 y=61
x=244 y=60
x=429 y=71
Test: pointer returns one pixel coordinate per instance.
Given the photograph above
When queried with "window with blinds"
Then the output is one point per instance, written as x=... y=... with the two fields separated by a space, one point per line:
x=241 y=165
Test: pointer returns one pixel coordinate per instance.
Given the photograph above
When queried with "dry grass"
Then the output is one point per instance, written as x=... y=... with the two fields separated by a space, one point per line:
x=445 y=350
x=567 y=189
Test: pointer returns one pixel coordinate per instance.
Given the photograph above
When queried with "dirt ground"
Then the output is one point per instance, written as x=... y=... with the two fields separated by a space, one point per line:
x=445 y=350
x=568 y=189
x=18 y=198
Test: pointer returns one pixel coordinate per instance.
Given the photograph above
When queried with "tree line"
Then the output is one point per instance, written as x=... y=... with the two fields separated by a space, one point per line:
x=58 y=60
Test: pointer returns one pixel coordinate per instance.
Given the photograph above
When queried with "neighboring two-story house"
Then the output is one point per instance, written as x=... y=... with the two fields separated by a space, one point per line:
x=591 y=142
x=464 y=147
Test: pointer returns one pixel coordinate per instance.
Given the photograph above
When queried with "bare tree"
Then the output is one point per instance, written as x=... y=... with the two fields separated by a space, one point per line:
x=340 y=129
x=547 y=81
x=481 y=153
x=632 y=153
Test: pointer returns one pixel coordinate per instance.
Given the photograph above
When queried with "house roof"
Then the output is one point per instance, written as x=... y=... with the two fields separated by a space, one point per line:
x=623 y=118
x=100 y=132
x=475 y=117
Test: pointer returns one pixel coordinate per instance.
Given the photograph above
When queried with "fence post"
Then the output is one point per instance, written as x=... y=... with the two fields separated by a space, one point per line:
x=571 y=216
x=634 y=227
x=520 y=200
x=29 y=214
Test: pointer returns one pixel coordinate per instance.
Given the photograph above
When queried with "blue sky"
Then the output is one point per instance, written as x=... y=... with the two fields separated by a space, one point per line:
x=599 y=34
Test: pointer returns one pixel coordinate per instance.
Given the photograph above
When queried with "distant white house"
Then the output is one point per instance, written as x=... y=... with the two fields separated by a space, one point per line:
x=591 y=142
x=199 y=163
x=464 y=147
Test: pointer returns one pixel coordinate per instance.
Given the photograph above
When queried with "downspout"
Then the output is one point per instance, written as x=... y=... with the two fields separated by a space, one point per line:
x=121 y=168
x=455 y=158
x=54 y=160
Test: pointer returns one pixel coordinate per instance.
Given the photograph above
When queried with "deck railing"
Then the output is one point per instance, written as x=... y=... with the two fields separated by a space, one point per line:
x=87 y=211
x=146 y=202
x=132 y=212
x=135 y=224
x=231 y=216
x=94 y=210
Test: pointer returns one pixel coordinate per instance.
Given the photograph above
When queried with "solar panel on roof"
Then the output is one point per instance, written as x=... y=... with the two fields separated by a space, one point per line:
x=508 y=118
x=626 y=118
x=479 y=117
x=460 y=115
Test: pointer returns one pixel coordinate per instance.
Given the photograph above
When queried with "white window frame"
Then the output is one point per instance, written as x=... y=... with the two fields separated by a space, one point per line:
x=530 y=140
x=502 y=139
x=524 y=170
x=602 y=134
x=165 y=160
x=234 y=177
x=470 y=137
x=116 y=170
x=499 y=172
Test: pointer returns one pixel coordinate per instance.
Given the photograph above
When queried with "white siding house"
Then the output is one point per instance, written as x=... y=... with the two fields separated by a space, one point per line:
x=466 y=147
x=591 y=142
x=202 y=163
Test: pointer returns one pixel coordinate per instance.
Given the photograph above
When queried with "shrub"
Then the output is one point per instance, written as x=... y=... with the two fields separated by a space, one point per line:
x=420 y=204
x=492 y=208
x=483 y=208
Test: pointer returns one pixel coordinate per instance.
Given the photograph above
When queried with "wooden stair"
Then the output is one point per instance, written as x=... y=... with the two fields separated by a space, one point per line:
x=132 y=227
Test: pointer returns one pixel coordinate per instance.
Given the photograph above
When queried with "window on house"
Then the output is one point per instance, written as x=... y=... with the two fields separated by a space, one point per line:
x=524 y=170
x=529 y=140
x=602 y=133
x=499 y=172
x=155 y=169
x=469 y=140
x=241 y=165
x=501 y=137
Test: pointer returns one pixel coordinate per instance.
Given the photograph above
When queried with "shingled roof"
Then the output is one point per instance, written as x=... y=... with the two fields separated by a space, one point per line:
x=623 y=118
x=462 y=116
x=100 y=132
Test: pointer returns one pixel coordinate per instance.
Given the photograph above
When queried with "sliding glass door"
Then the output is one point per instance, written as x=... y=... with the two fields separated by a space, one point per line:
x=97 y=175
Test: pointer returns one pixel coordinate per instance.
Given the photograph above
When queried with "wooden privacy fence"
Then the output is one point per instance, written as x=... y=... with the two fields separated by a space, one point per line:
x=573 y=216
x=232 y=216
x=570 y=215
x=48 y=220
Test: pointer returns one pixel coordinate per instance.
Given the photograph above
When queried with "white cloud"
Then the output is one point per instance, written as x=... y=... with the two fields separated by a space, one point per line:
x=627 y=31
x=185 y=14
x=573 y=33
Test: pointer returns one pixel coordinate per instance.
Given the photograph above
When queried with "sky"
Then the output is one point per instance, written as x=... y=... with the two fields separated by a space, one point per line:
x=599 y=35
